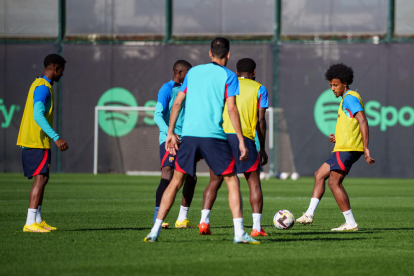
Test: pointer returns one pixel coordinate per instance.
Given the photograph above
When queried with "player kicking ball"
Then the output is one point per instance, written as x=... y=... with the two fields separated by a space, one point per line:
x=166 y=97
x=351 y=141
x=252 y=103
x=205 y=90
x=34 y=137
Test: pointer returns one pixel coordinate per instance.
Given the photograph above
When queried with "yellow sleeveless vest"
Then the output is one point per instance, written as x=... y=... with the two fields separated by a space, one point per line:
x=246 y=103
x=30 y=134
x=347 y=134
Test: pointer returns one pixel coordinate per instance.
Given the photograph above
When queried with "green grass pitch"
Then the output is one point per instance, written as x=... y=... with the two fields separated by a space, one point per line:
x=102 y=221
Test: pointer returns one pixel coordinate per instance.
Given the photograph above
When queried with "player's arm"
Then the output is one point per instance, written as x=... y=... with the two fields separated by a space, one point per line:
x=261 y=134
x=172 y=142
x=164 y=96
x=363 y=127
x=41 y=95
x=235 y=120
x=261 y=126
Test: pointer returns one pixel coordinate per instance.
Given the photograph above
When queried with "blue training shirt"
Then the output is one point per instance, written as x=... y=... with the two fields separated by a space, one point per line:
x=351 y=105
x=207 y=86
x=166 y=98
x=41 y=103
x=262 y=97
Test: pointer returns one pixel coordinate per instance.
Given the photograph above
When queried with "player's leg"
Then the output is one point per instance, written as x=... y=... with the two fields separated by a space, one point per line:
x=36 y=163
x=335 y=184
x=184 y=165
x=166 y=176
x=188 y=193
x=318 y=191
x=210 y=149
x=256 y=201
x=209 y=197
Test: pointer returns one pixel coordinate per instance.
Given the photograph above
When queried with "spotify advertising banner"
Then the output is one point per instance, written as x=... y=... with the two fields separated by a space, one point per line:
x=382 y=76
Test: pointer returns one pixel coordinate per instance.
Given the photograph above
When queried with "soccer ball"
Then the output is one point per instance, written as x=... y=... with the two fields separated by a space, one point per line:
x=283 y=219
x=294 y=176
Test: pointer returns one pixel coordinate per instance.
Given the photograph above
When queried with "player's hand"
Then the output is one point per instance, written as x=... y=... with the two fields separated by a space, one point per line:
x=178 y=138
x=171 y=145
x=368 y=157
x=332 y=138
x=244 y=152
x=62 y=145
x=263 y=157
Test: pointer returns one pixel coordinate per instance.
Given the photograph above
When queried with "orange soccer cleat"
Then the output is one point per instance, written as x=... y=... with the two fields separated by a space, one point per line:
x=204 y=229
x=256 y=233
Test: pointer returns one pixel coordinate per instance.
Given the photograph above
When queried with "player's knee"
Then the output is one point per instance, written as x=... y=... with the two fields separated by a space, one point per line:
x=333 y=183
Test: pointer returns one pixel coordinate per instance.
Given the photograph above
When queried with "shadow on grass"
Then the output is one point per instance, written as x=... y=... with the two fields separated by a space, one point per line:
x=315 y=239
x=108 y=229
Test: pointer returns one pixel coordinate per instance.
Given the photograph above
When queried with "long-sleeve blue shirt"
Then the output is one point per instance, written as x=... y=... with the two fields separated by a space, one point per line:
x=166 y=97
x=42 y=103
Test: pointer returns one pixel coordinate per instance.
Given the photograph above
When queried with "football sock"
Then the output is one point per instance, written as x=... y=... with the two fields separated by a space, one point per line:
x=31 y=216
x=157 y=226
x=160 y=191
x=312 y=206
x=205 y=213
x=349 y=217
x=256 y=221
x=183 y=213
x=39 y=214
x=155 y=214
x=238 y=227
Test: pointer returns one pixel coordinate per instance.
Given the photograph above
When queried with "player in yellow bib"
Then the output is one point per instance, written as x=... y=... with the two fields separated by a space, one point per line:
x=35 y=137
x=252 y=103
x=351 y=141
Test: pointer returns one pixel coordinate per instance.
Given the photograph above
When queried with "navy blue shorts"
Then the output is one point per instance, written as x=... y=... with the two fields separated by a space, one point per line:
x=252 y=163
x=343 y=160
x=35 y=161
x=216 y=152
x=167 y=159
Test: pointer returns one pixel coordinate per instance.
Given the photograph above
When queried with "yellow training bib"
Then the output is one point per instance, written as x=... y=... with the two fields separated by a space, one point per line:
x=347 y=134
x=30 y=133
x=246 y=103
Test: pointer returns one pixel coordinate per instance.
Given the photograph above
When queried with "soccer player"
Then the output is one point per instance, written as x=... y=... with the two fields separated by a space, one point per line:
x=351 y=141
x=34 y=137
x=205 y=90
x=252 y=103
x=166 y=97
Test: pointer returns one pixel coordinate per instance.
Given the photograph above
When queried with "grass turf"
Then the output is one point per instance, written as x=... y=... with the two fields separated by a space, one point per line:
x=103 y=219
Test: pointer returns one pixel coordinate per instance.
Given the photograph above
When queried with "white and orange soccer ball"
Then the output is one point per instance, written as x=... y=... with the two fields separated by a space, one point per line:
x=283 y=219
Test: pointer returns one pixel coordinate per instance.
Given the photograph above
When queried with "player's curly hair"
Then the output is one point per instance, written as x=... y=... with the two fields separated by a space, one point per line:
x=340 y=71
x=53 y=59
x=246 y=65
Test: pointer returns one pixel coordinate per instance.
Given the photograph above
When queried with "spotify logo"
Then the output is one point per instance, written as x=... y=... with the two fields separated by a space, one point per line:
x=117 y=122
x=326 y=112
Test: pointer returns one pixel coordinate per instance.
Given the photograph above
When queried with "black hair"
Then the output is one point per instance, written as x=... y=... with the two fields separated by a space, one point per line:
x=246 y=65
x=220 y=47
x=182 y=63
x=53 y=59
x=340 y=71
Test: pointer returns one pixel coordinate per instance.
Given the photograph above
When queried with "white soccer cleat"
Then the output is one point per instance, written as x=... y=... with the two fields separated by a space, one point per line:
x=305 y=219
x=346 y=227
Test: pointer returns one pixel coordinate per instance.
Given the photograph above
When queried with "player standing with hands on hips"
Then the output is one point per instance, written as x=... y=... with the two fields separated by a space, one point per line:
x=351 y=141
x=34 y=137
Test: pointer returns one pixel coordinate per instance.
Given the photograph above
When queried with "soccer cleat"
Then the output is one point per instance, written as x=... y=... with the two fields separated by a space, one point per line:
x=35 y=228
x=204 y=229
x=165 y=225
x=346 y=227
x=245 y=239
x=46 y=226
x=151 y=237
x=305 y=219
x=256 y=233
x=183 y=224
